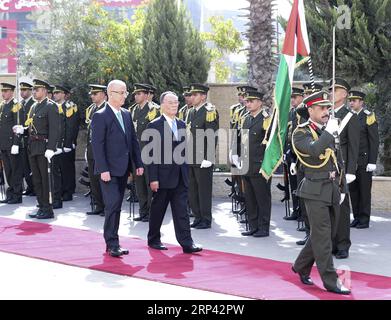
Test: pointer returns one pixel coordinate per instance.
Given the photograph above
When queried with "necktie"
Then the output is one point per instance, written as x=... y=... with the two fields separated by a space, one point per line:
x=174 y=129
x=121 y=121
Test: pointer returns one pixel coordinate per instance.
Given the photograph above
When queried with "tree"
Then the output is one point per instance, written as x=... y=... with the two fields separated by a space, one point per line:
x=66 y=52
x=224 y=39
x=173 y=53
x=261 y=36
x=363 y=51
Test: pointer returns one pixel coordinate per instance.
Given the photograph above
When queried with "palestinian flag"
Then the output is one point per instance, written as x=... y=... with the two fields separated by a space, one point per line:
x=296 y=49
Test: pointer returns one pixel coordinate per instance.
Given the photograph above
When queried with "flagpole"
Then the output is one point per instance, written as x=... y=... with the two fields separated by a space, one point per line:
x=334 y=54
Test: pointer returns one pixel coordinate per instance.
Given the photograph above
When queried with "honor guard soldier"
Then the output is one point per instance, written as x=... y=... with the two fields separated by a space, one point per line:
x=321 y=191
x=98 y=97
x=184 y=111
x=203 y=117
x=51 y=92
x=43 y=125
x=360 y=189
x=152 y=92
x=142 y=114
x=310 y=88
x=257 y=190
x=72 y=125
x=349 y=136
x=11 y=115
x=238 y=111
x=26 y=92
x=289 y=156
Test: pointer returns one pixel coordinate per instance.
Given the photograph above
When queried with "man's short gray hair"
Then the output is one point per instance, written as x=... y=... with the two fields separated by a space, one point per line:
x=165 y=94
x=115 y=82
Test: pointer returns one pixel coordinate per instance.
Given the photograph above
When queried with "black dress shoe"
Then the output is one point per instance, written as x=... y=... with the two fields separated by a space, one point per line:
x=94 y=213
x=292 y=217
x=302 y=242
x=5 y=201
x=248 y=233
x=362 y=226
x=28 y=192
x=45 y=215
x=140 y=218
x=34 y=215
x=342 y=290
x=304 y=279
x=354 y=223
x=203 y=225
x=261 y=234
x=114 y=252
x=192 y=249
x=195 y=223
x=15 y=201
x=157 y=246
x=342 y=254
x=145 y=219
x=124 y=251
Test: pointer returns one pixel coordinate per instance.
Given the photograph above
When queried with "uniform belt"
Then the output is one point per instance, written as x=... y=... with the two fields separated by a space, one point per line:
x=38 y=138
x=323 y=175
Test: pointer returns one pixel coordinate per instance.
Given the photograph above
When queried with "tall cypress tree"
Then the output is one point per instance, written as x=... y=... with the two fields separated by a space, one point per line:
x=363 y=52
x=173 y=53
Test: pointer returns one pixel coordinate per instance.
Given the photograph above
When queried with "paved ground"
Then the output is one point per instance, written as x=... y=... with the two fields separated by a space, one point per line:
x=22 y=276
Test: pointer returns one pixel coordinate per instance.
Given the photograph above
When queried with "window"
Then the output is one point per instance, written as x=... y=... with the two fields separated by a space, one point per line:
x=3 y=65
x=3 y=33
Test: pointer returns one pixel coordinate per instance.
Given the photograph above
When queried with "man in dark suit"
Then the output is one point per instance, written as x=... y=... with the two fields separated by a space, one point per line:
x=115 y=147
x=168 y=176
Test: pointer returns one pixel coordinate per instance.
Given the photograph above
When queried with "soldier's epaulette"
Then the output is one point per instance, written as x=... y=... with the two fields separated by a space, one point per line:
x=371 y=117
x=152 y=114
x=367 y=112
x=60 y=109
x=303 y=125
x=211 y=112
x=16 y=108
x=156 y=105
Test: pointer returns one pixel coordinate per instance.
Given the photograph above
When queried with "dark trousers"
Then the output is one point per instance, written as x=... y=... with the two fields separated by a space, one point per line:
x=361 y=197
x=57 y=177
x=96 y=190
x=342 y=239
x=177 y=198
x=13 y=168
x=26 y=169
x=68 y=173
x=258 y=198
x=39 y=169
x=303 y=211
x=113 y=195
x=144 y=193
x=200 y=192
x=318 y=248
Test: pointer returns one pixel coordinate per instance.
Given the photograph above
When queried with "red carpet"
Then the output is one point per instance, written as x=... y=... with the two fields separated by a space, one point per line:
x=210 y=270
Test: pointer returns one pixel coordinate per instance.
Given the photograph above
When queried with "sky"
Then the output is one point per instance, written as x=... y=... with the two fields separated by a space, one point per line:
x=284 y=6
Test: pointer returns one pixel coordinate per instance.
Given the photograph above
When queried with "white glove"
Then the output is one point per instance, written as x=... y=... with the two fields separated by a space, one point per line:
x=206 y=164
x=235 y=159
x=59 y=151
x=49 y=155
x=332 y=126
x=371 y=167
x=73 y=146
x=350 y=178
x=343 y=195
x=15 y=150
x=66 y=150
x=293 y=169
x=18 y=129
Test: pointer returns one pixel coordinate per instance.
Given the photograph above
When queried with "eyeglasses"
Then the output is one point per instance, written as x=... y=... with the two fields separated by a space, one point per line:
x=122 y=93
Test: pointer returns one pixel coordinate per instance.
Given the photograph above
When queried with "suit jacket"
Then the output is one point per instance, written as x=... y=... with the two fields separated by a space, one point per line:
x=114 y=150
x=9 y=113
x=350 y=140
x=369 y=139
x=168 y=174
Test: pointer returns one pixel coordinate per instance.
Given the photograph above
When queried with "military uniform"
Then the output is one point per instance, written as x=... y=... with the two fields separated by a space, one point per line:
x=142 y=116
x=201 y=179
x=321 y=192
x=10 y=116
x=72 y=123
x=96 y=191
x=349 y=143
x=42 y=122
x=360 y=189
x=184 y=111
x=26 y=106
x=257 y=190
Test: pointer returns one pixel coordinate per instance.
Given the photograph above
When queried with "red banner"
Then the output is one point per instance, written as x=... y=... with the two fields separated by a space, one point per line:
x=22 y=5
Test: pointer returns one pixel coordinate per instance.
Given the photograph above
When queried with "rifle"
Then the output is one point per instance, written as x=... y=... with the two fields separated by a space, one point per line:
x=286 y=189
